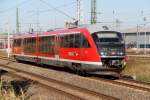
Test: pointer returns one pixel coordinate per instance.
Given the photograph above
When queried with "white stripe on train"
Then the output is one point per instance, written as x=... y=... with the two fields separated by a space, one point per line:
x=60 y=59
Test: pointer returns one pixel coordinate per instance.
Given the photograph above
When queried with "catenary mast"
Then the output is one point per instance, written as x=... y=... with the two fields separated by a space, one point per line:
x=80 y=12
x=93 y=12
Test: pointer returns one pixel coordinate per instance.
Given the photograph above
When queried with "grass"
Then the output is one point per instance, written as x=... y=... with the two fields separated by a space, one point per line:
x=139 y=68
x=7 y=93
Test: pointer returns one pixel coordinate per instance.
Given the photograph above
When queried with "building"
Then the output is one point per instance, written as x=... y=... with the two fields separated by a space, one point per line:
x=4 y=40
x=138 y=37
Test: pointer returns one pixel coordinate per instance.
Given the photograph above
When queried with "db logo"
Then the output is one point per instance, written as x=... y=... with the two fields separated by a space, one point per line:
x=73 y=54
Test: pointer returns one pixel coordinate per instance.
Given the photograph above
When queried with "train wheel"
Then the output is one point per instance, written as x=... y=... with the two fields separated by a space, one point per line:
x=38 y=62
x=79 y=70
x=17 y=60
x=74 y=68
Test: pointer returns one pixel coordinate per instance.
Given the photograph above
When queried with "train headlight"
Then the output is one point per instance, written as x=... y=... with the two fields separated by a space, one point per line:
x=103 y=53
x=120 y=53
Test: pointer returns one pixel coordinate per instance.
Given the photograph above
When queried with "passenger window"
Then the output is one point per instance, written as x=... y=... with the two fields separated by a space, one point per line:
x=64 y=41
x=17 y=43
x=46 y=45
x=51 y=44
x=85 y=43
x=43 y=45
x=77 y=43
x=71 y=41
x=29 y=45
x=77 y=40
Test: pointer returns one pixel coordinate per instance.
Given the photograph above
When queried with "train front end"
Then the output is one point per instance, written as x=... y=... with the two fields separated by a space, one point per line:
x=111 y=48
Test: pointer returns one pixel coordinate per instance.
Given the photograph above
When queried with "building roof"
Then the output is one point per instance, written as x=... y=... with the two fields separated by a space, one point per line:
x=136 y=29
x=4 y=36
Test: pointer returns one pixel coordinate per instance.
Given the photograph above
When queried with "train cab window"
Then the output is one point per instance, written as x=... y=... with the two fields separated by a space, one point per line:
x=77 y=40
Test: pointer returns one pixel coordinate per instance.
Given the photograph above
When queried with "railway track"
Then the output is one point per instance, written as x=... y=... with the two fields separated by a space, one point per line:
x=141 y=56
x=120 y=88
x=66 y=89
x=134 y=82
x=127 y=83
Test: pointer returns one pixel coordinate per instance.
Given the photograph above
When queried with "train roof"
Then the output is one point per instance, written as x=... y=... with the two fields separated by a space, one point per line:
x=25 y=35
x=96 y=28
x=91 y=28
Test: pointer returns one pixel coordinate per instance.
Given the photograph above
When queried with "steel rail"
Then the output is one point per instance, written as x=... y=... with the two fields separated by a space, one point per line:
x=121 y=80
x=132 y=84
x=64 y=88
x=136 y=86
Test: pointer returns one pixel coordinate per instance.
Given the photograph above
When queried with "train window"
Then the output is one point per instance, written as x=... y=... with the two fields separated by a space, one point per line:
x=71 y=40
x=74 y=41
x=65 y=41
x=17 y=43
x=46 y=45
x=25 y=46
x=29 y=45
x=81 y=41
x=77 y=43
x=101 y=37
x=85 y=43
x=51 y=44
x=106 y=35
x=14 y=43
x=43 y=45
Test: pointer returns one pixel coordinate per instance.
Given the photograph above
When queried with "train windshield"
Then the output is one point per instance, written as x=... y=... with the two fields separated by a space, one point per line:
x=109 y=43
x=107 y=37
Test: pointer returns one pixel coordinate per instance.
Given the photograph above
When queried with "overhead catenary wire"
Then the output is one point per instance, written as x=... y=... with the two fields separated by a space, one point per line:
x=34 y=12
x=48 y=10
x=14 y=7
x=61 y=6
x=56 y=9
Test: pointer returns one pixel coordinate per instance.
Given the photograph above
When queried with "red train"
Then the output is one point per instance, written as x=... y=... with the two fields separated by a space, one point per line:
x=88 y=49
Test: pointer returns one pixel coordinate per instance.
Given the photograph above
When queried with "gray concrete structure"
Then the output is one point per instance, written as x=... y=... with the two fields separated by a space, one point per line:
x=4 y=40
x=138 y=37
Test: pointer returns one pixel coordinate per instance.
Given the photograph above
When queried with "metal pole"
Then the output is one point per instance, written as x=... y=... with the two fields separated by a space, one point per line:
x=8 y=39
x=93 y=12
x=17 y=21
x=145 y=40
x=37 y=15
x=144 y=19
x=80 y=12
x=114 y=22
x=137 y=38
